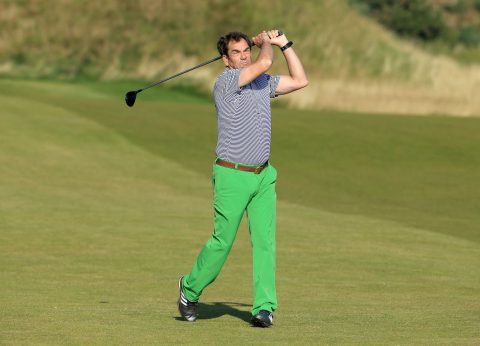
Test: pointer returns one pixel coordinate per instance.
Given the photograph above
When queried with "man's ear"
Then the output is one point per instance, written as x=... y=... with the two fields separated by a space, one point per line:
x=225 y=60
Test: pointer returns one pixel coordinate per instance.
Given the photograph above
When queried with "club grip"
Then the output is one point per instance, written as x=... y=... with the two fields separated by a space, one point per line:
x=280 y=33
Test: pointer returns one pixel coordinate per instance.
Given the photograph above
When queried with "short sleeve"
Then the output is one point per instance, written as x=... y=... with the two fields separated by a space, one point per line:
x=227 y=83
x=273 y=83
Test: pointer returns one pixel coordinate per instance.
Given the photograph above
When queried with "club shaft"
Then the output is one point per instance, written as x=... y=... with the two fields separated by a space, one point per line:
x=180 y=73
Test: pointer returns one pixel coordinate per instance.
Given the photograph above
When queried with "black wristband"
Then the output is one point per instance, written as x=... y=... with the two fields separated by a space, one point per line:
x=288 y=45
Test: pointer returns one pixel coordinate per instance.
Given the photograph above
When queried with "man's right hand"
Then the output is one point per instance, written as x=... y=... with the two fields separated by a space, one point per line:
x=261 y=38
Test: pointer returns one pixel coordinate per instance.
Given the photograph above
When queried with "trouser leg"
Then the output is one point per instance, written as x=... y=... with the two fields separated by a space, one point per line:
x=261 y=213
x=230 y=199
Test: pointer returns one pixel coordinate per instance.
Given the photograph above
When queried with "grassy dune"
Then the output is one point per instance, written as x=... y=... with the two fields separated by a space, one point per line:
x=102 y=207
x=353 y=63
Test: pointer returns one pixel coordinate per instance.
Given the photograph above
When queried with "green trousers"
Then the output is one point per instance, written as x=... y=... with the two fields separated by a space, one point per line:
x=234 y=193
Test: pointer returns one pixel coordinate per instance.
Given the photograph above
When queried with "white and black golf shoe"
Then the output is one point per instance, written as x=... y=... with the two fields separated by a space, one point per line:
x=187 y=309
x=263 y=318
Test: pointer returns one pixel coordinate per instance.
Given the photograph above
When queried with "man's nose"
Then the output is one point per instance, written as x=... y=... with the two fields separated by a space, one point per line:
x=243 y=55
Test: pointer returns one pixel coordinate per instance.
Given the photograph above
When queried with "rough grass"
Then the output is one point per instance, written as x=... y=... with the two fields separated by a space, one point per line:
x=97 y=222
x=352 y=62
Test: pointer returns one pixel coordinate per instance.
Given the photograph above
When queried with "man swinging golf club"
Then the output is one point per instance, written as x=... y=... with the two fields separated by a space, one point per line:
x=243 y=178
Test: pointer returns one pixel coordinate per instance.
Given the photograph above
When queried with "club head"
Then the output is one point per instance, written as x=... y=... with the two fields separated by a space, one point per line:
x=130 y=98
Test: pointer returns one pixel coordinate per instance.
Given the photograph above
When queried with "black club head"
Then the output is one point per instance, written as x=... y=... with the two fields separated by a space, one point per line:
x=130 y=98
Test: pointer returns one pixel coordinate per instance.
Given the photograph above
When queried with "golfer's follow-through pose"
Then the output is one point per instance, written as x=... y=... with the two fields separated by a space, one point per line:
x=243 y=178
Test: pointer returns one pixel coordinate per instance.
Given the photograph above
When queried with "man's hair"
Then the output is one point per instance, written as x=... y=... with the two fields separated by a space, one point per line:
x=222 y=44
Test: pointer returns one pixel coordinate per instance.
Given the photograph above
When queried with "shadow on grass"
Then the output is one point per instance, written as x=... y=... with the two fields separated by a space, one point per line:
x=218 y=309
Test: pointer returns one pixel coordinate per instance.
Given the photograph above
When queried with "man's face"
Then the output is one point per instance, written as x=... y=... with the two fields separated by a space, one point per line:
x=238 y=54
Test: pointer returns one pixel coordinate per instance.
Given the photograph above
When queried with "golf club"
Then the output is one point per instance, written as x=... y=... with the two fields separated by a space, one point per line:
x=131 y=96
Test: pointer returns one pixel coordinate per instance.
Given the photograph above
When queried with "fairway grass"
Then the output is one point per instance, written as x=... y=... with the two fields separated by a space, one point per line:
x=103 y=207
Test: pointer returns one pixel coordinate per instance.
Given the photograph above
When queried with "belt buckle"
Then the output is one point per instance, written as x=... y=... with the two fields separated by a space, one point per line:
x=258 y=169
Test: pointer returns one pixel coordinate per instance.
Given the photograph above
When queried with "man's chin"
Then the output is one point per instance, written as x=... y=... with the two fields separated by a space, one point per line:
x=241 y=65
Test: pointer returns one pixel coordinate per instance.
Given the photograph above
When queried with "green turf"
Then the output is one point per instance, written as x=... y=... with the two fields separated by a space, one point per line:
x=102 y=207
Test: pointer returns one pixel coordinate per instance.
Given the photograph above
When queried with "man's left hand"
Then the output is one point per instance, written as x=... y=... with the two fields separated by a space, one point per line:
x=276 y=40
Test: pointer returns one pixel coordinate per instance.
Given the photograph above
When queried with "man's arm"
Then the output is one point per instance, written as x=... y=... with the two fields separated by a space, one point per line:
x=263 y=62
x=297 y=78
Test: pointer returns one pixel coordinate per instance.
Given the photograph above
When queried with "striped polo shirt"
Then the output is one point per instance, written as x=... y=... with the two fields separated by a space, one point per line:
x=244 y=119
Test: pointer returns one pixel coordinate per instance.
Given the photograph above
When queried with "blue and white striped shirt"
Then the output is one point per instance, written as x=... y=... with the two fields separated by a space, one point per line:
x=244 y=119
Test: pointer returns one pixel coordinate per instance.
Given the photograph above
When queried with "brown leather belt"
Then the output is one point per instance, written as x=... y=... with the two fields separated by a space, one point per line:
x=253 y=169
